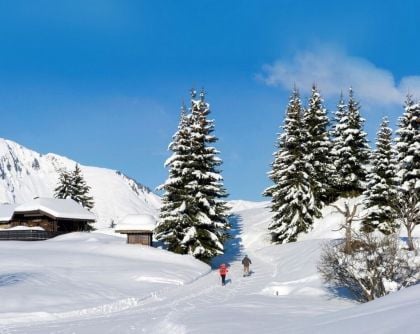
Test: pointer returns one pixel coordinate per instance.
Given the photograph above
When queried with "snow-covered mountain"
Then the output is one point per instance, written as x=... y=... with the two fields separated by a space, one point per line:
x=25 y=174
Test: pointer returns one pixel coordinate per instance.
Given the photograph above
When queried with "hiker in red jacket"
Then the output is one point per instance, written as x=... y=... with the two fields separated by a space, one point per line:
x=223 y=271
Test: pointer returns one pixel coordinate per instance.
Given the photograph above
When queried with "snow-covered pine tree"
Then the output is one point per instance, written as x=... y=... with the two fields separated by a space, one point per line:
x=193 y=218
x=292 y=199
x=318 y=148
x=408 y=148
x=207 y=209
x=79 y=189
x=174 y=219
x=336 y=135
x=351 y=150
x=381 y=190
x=63 y=189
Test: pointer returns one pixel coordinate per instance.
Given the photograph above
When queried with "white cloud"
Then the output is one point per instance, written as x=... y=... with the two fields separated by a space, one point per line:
x=334 y=71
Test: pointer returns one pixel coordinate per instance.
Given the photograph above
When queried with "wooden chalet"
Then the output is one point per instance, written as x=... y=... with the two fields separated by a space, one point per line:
x=138 y=227
x=46 y=217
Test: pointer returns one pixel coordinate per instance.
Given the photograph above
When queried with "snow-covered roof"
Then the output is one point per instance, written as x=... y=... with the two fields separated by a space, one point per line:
x=57 y=207
x=6 y=212
x=137 y=222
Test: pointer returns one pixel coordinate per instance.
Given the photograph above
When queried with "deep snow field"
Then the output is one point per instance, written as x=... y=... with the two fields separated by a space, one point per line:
x=95 y=283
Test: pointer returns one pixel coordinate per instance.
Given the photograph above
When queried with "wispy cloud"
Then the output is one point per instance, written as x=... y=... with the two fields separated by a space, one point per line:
x=335 y=71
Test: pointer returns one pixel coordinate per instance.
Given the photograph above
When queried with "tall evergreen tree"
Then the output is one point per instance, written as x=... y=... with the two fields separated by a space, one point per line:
x=292 y=198
x=351 y=150
x=318 y=147
x=200 y=224
x=174 y=219
x=408 y=148
x=381 y=190
x=80 y=189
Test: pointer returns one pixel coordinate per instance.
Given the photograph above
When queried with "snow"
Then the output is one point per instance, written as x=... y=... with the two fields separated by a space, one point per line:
x=6 y=211
x=137 y=222
x=57 y=207
x=22 y=228
x=94 y=283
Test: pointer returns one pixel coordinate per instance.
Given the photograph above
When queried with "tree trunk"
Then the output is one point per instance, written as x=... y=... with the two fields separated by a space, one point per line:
x=348 y=245
x=410 y=241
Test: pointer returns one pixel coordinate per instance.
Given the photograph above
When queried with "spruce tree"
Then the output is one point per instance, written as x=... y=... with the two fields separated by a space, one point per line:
x=80 y=190
x=63 y=189
x=318 y=148
x=194 y=217
x=408 y=148
x=381 y=190
x=208 y=210
x=174 y=219
x=351 y=150
x=292 y=199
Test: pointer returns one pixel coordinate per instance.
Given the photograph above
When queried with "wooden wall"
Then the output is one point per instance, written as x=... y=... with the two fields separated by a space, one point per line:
x=140 y=238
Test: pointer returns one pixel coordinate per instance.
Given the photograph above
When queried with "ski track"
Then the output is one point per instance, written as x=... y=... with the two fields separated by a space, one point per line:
x=164 y=311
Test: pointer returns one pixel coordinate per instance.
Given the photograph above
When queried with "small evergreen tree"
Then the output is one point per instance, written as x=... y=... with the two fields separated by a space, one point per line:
x=80 y=190
x=63 y=189
x=351 y=150
x=318 y=148
x=292 y=198
x=381 y=190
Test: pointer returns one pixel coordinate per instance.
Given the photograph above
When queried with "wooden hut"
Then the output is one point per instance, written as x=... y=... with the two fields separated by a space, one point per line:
x=138 y=227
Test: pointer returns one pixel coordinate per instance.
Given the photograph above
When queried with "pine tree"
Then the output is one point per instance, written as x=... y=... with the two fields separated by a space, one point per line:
x=381 y=190
x=408 y=148
x=318 y=148
x=351 y=150
x=174 y=219
x=194 y=217
x=80 y=190
x=63 y=189
x=208 y=211
x=292 y=199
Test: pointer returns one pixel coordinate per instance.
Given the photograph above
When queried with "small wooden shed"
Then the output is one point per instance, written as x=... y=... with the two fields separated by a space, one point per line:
x=138 y=227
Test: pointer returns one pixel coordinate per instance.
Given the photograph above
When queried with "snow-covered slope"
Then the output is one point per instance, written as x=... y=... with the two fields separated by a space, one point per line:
x=25 y=174
x=91 y=283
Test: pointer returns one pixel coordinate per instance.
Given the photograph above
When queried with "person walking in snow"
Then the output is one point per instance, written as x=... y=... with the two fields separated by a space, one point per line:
x=246 y=261
x=223 y=270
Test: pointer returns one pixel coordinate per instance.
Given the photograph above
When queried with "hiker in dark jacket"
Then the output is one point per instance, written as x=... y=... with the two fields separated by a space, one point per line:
x=246 y=262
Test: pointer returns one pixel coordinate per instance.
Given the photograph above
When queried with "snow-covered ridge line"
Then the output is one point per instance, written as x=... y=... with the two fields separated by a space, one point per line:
x=25 y=174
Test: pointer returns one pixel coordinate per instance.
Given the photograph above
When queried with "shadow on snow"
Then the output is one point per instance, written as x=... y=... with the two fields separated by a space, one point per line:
x=233 y=246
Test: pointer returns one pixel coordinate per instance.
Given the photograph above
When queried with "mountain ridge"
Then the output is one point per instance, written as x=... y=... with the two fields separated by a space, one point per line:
x=25 y=174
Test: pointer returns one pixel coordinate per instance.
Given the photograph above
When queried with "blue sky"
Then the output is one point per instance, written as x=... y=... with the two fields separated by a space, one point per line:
x=102 y=81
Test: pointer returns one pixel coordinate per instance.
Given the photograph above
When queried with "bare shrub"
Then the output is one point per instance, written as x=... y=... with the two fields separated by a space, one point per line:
x=372 y=267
